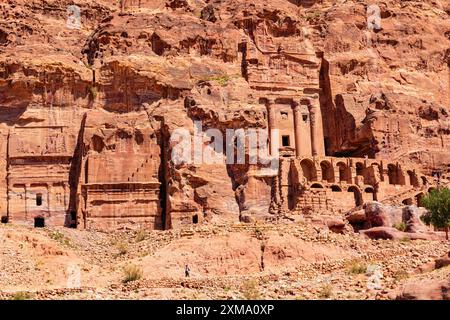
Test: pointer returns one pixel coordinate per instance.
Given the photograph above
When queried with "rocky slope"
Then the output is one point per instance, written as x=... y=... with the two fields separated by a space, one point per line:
x=272 y=261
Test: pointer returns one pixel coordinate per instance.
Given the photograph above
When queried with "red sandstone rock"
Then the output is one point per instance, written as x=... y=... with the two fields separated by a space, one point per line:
x=388 y=233
x=378 y=215
x=442 y=262
x=381 y=221
x=426 y=290
x=411 y=215
x=87 y=114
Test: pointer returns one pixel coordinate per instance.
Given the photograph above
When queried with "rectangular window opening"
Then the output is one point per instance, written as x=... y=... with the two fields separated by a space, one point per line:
x=285 y=141
x=39 y=199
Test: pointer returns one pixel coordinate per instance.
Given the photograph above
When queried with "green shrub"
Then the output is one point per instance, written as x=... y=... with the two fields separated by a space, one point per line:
x=438 y=204
x=59 y=237
x=21 y=296
x=313 y=15
x=357 y=268
x=223 y=81
x=405 y=239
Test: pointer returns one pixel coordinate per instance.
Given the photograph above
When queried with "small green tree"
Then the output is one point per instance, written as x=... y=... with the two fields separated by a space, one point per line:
x=438 y=204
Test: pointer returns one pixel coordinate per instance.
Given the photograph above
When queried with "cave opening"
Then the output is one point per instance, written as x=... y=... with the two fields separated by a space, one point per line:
x=39 y=222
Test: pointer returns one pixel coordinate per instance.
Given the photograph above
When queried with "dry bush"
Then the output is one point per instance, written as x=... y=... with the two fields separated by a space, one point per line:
x=250 y=290
x=132 y=273
x=326 y=292
x=357 y=267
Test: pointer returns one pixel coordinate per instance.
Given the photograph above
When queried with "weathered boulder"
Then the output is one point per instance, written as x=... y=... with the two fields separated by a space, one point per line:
x=442 y=262
x=429 y=289
x=388 y=233
x=380 y=221
x=247 y=217
x=380 y=215
x=411 y=215
x=356 y=217
x=385 y=233
x=337 y=225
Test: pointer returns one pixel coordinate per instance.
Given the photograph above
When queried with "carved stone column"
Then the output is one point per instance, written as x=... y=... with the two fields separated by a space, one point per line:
x=27 y=187
x=312 y=115
x=317 y=138
x=285 y=165
x=271 y=124
x=297 y=129
x=65 y=196
x=49 y=202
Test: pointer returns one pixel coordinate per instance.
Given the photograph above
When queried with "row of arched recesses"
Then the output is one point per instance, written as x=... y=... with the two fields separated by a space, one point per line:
x=354 y=189
x=417 y=199
x=395 y=174
x=336 y=188
x=310 y=173
x=397 y=177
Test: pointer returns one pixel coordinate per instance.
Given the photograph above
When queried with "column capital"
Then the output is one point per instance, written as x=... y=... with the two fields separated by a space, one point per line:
x=311 y=101
x=297 y=107
x=270 y=102
x=312 y=109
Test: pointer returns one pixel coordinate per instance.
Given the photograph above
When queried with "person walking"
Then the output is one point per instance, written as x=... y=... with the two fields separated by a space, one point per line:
x=186 y=271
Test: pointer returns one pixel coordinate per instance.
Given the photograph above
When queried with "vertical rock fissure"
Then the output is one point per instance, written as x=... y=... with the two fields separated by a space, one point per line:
x=327 y=108
x=162 y=174
x=263 y=248
x=7 y=177
x=74 y=176
x=243 y=50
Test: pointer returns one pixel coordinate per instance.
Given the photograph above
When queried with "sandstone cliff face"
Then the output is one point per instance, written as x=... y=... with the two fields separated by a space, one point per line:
x=116 y=89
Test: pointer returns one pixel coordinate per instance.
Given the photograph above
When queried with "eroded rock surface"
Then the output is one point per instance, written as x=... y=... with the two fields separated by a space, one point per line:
x=87 y=108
